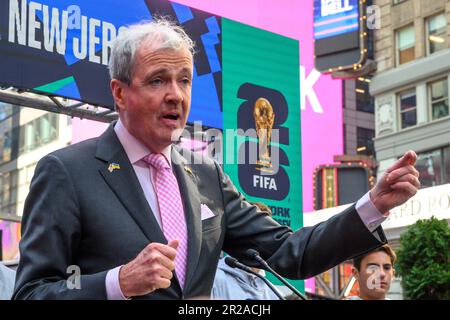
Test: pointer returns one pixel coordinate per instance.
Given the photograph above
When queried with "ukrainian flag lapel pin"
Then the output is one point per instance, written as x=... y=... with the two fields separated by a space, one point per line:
x=188 y=170
x=113 y=166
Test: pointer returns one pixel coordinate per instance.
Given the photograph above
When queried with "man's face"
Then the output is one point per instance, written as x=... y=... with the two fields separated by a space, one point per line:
x=375 y=276
x=157 y=102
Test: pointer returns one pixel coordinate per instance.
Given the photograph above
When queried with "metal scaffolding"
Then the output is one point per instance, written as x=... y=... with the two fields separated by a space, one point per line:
x=57 y=104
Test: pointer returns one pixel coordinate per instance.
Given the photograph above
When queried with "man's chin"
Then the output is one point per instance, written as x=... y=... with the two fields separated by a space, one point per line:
x=176 y=134
x=379 y=293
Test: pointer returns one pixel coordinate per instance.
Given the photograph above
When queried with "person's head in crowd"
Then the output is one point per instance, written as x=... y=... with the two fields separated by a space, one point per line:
x=151 y=68
x=374 y=272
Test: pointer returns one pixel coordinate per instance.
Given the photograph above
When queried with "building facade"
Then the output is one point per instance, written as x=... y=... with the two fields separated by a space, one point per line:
x=411 y=86
x=410 y=90
x=358 y=117
x=26 y=135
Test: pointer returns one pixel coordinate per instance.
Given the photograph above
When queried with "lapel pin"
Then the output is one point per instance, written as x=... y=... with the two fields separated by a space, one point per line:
x=113 y=166
x=188 y=170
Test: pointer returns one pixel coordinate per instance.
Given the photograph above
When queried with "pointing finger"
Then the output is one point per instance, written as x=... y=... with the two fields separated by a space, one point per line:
x=409 y=158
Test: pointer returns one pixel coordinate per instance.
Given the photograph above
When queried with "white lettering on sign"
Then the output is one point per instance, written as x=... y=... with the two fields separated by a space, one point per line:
x=57 y=32
x=331 y=7
x=24 y=23
x=307 y=89
x=264 y=182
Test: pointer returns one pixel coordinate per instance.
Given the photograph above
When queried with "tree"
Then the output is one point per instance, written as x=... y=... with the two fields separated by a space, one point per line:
x=424 y=260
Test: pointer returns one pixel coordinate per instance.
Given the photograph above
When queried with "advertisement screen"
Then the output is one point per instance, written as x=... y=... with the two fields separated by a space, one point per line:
x=335 y=17
x=262 y=141
x=62 y=48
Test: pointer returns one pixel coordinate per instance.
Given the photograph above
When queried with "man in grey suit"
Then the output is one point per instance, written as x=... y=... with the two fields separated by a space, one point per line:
x=95 y=224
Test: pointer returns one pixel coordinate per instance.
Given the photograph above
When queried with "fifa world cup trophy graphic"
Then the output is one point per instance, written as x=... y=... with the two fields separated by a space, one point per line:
x=264 y=118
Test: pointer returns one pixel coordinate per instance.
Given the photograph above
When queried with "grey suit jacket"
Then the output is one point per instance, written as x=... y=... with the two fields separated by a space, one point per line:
x=79 y=213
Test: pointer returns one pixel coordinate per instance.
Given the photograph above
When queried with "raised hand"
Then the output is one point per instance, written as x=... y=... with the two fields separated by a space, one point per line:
x=399 y=183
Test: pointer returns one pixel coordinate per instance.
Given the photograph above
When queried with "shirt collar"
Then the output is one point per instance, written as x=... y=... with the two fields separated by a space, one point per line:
x=135 y=149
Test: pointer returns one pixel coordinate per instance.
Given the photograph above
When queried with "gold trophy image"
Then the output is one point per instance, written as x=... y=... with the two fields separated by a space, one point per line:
x=264 y=117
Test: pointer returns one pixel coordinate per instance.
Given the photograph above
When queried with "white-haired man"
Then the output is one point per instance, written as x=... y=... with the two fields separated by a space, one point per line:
x=127 y=215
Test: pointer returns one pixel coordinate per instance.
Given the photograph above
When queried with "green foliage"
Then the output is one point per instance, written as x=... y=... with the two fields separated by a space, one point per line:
x=424 y=260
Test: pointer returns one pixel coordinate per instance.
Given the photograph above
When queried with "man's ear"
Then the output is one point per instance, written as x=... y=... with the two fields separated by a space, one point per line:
x=118 y=92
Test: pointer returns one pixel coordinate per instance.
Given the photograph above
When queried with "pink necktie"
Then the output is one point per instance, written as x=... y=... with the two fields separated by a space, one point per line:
x=171 y=210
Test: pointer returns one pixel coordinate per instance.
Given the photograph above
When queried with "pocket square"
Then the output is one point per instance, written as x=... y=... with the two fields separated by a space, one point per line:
x=206 y=212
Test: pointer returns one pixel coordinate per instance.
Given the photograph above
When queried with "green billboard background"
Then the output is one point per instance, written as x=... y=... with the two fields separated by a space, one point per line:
x=255 y=60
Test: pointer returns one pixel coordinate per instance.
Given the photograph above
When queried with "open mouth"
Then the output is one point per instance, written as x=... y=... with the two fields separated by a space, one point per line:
x=171 y=116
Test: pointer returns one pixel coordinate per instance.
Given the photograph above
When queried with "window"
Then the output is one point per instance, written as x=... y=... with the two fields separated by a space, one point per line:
x=434 y=167
x=6 y=138
x=38 y=132
x=446 y=154
x=364 y=101
x=364 y=139
x=5 y=192
x=436 y=33
x=408 y=114
x=5 y=111
x=345 y=138
x=405 y=44
x=5 y=146
x=29 y=136
x=30 y=172
x=439 y=99
x=8 y=192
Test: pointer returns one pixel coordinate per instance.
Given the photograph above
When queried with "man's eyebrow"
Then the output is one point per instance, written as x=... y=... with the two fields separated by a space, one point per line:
x=162 y=71
x=155 y=73
x=186 y=71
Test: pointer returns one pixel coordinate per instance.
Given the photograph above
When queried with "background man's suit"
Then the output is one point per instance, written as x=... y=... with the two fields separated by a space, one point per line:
x=80 y=213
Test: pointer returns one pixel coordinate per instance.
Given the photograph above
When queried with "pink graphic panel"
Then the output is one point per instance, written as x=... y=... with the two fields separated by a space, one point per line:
x=10 y=239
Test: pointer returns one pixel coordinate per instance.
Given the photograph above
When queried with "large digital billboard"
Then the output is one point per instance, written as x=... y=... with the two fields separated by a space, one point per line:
x=261 y=123
x=335 y=17
x=340 y=35
x=62 y=48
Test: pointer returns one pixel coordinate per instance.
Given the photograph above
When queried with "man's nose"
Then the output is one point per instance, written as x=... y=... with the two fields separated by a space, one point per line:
x=174 y=93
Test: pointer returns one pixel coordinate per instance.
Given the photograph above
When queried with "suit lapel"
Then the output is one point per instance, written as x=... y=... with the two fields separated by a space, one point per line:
x=191 y=201
x=123 y=181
